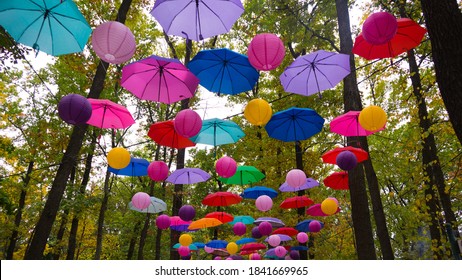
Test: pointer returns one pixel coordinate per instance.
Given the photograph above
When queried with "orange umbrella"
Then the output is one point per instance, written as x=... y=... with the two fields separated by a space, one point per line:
x=331 y=156
x=337 y=181
x=296 y=202
x=221 y=216
x=221 y=199
x=204 y=223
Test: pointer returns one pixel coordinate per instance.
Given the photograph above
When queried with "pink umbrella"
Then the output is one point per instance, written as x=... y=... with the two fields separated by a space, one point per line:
x=348 y=125
x=107 y=114
x=316 y=211
x=159 y=79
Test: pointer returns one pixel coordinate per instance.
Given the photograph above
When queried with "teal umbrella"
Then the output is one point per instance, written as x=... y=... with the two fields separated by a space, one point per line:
x=218 y=132
x=247 y=220
x=55 y=27
x=192 y=247
x=244 y=175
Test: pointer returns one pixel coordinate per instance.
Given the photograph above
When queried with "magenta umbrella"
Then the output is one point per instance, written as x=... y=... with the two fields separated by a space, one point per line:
x=310 y=183
x=107 y=114
x=160 y=79
x=316 y=211
x=188 y=176
x=348 y=125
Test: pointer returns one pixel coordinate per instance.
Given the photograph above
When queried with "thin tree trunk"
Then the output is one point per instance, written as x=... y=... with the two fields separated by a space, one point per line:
x=443 y=20
x=55 y=195
x=18 y=216
x=359 y=201
x=102 y=211
x=131 y=247
x=60 y=235
x=301 y=210
x=144 y=231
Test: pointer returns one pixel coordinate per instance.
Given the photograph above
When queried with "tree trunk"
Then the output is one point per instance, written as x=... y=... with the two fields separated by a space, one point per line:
x=301 y=210
x=359 y=202
x=102 y=211
x=18 y=216
x=60 y=235
x=131 y=247
x=50 y=210
x=144 y=231
x=444 y=24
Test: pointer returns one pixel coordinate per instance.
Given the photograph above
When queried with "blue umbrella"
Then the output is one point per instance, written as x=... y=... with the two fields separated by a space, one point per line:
x=217 y=244
x=299 y=248
x=294 y=124
x=199 y=245
x=136 y=167
x=304 y=225
x=245 y=240
x=224 y=71
x=255 y=192
x=55 y=27
x=217 y=132
x=247 y=220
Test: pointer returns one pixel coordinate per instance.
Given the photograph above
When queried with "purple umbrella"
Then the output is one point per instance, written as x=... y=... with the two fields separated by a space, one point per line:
x=188 y=176
x=283 y=237
x=315 y=72
x=273 y=221
x=310 y=183
x=159 y=79
x=197 y=20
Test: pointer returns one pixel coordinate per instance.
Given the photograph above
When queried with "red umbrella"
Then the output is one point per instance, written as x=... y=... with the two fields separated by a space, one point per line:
x=337 y=181
x=221 y=216
x=296 y=202
x=221 y=199
x=253 y=247
x=331 y=156
x=408 y=36
x=163 y=133
x=286 y=230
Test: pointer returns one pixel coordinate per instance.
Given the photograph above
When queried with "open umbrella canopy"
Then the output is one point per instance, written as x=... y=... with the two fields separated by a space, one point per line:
x=204 y=223
x=191 y=246
x=245 y=240
x=247 y=220
x=217 y=244
x=244 y=175
x=107 y=114
x=160 y=79
x=294 y=124
x=303 y=226
x=197 y=20
x=348 y=125
x=310 y=183
x=315 y=72
x=337 y=181
x=218 y=132
x=221 y=216
x=285 y=230
x=53 y=26
x=224 y=71
x=176 y=223
x=315 y=211
x=255 y=192
x=221 y=199
x=188 y=176
x=164 y=133
x=331 y=156
x=408 y=36
x=253 y=246
x=299 y=248
x=157 y=205
x=275 y=222
x=283 y=237
x=296 y=202
x=136 y=167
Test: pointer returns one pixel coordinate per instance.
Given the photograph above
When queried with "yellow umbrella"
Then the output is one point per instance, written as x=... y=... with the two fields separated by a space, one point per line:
x=204 y=223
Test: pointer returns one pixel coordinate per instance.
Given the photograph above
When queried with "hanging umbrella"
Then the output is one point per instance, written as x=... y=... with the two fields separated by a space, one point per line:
x=315 y=72
x=331 y=156
x=348 y=125
x=217 y=244
x=204 y=223
x=408 y=36
x=164 y=133
x=191 y=246
x=199 y=245
x=188 y=176
x=299 y=248
x=283 y=237
x=197 y=20
x=253 y=247
x=255 y=192
x=136 y=167
x=220 y=253
x=285 y=230
x=303 y=226
x=294 y=124
x=310 y=183
x=244 y=175
x=245 y=240
x=337 y=181
x=53 y=26
x=296 y=202
x=176 y=223
x=316 y=211
x=221 y=216
x=275 y=222
x=224 y=71
x=157 y=205
x=107 y=114
x=247 y=220
x=221 y=199
x=160 y=79
x=218 y=132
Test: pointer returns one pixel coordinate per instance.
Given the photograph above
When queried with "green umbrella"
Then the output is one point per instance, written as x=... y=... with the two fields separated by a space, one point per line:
x=244 y=175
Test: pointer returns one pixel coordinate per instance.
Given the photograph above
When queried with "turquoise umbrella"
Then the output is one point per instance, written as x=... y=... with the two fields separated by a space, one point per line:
x=247 y=220
x=218 y=132
x=55 y=27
